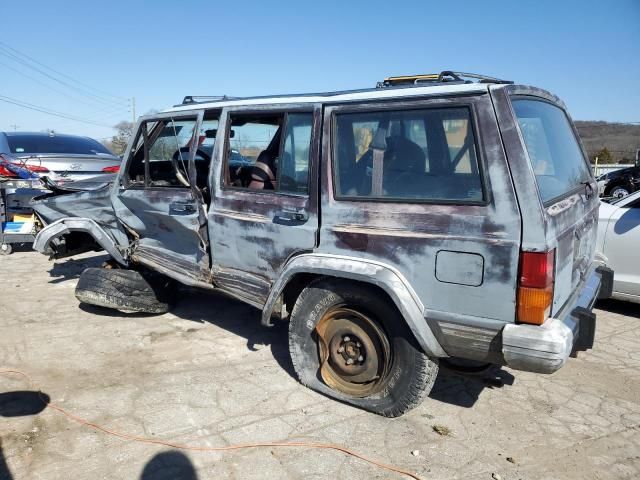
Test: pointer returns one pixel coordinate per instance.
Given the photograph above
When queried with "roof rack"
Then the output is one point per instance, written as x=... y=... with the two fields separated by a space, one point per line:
x=444 y=77
x=204 y=98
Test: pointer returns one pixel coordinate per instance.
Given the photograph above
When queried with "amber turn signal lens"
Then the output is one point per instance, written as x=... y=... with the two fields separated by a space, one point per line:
x=534 y=304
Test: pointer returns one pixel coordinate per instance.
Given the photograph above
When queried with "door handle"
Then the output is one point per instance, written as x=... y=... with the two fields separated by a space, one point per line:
x=182 y=207
x=292 y=215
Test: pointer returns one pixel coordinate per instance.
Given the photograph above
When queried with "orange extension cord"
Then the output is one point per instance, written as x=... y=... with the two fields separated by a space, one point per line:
x=135 y=438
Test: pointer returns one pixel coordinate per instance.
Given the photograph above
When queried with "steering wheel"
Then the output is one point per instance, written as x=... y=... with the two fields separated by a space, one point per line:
x=181 y=173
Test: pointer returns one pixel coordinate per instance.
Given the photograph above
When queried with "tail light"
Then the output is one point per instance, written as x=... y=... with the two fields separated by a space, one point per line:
x=5 y=172
x=113 y=169
x=33 y=168
x=535 y=286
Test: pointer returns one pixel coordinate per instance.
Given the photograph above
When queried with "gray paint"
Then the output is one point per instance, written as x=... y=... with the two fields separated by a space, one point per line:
x=451 y=269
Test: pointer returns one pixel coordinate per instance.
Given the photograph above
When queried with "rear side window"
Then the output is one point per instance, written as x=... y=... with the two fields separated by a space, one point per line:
x=553 y=149
x=35 y=144
x=404 y=155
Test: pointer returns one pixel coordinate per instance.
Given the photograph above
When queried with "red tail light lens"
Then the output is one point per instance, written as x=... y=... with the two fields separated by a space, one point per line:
x=113 y=169
x=535 y=286
x=32 y=168
x=536 y=269
x=4 y=172
x=37 y=169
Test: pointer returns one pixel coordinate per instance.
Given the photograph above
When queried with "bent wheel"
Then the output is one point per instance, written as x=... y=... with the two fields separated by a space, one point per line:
x=349 y=342
x=354 y=352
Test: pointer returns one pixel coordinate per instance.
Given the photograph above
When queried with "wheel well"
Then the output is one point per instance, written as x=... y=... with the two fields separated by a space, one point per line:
x=615 y=183
x=300 y=281
x=75 y=242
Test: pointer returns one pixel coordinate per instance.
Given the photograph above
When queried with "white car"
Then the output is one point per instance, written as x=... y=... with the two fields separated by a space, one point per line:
x=617 y=245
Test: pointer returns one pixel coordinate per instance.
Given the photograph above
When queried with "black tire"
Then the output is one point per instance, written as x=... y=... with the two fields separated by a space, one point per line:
x=618 y=191
x=410 y=374
x=125 y=290
x=6 y=249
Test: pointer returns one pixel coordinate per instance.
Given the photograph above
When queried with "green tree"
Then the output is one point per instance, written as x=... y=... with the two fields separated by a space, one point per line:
x=604 y=156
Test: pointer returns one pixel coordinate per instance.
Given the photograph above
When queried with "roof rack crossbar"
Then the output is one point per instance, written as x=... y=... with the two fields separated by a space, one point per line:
x=204 y=98
x=444 y=77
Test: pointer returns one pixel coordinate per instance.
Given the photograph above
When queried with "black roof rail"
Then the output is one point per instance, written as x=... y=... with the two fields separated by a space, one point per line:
x=204 y=98
x=444 y=77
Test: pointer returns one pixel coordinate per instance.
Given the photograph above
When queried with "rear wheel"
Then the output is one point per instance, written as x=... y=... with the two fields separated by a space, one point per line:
x=6 y=249
x=619 y=192
x=125 y=290
x=349 y=342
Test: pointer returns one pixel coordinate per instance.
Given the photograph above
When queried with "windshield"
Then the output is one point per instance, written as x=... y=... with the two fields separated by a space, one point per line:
x=555 y=155
x=41 y=144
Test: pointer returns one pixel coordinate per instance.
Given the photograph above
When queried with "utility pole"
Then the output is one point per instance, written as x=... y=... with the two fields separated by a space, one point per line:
x=133 y=110
x=15 y=127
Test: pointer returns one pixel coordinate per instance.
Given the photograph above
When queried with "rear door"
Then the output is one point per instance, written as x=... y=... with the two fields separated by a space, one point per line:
x=565 y=188
x=265 y=209
x=158 y=199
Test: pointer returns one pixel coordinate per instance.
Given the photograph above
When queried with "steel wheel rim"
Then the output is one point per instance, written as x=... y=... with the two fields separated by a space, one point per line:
x=355 y=354
x=619 y=192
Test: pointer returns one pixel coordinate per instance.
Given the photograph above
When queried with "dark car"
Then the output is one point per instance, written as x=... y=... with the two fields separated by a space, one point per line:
x=62 y=158
x=620 y=183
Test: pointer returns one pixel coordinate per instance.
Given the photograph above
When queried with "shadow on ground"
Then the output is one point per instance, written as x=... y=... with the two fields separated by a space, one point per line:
x=243 y=320
x=620 y=307
x=171 y=465
x=63 y=270
x=109 y=312
x=19 y=404
x=237 y=318
x=462 y=389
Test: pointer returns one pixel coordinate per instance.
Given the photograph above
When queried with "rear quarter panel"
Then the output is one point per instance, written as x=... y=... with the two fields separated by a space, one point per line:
x=412 y=238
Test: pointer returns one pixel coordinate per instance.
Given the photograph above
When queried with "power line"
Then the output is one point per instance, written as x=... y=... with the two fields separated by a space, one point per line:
x=119 y=110
x=88 y=94
x=55 y=113
x=62 y=74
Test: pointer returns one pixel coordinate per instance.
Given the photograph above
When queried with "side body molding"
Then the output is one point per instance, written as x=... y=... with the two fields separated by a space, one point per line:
x=65 y=226
x=367 y=271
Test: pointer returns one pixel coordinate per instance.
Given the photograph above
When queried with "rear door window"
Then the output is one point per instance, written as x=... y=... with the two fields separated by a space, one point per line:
x=408 y=155
x=556 y=157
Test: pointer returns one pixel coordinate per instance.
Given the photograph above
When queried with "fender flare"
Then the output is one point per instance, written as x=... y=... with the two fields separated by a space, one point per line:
x=65 y=226
x=367 y=271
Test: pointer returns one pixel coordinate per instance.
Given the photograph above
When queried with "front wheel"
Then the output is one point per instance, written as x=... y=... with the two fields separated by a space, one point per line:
x=349 y=342
x=6 y=249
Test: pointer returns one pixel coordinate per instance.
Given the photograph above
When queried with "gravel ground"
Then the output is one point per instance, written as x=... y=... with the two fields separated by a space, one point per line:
x=208 y=374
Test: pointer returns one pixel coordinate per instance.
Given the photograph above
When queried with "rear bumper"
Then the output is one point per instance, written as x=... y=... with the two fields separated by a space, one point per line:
x=545 y=348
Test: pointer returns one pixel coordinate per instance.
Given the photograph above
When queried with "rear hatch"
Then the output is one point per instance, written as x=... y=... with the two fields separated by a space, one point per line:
x=567 y=189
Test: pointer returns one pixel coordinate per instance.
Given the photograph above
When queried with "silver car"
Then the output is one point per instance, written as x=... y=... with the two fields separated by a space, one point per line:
x=62 y=158
x=618 y=239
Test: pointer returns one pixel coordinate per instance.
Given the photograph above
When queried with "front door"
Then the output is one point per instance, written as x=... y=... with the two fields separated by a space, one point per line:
x=159 y=199
x=264 y=206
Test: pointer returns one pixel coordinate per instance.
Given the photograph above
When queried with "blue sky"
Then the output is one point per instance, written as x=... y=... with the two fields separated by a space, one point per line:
x=587 y=52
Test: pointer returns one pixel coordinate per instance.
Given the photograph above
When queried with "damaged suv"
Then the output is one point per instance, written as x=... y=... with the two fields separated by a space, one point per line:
x=430 y=217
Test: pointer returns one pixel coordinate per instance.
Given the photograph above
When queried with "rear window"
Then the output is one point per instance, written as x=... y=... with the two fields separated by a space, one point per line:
x=35 y=144
x=407 y=155
x=553 y=149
